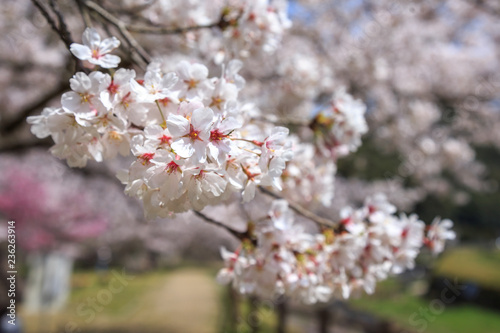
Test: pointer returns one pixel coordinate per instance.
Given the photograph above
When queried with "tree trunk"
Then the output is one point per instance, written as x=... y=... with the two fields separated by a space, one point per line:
x=281 y=311
x=233 y=310
x=323 y=319
x=253 y=315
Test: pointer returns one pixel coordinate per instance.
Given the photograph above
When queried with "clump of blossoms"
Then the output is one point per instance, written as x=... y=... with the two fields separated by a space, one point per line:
x=309 y=178
x=240 y=28
x=369 y=244
x=185 y=129
x=338 y=129
x=195 y=144
x=255 y=26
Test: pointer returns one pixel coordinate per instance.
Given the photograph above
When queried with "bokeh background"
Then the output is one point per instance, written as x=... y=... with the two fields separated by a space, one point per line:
x=429 y=73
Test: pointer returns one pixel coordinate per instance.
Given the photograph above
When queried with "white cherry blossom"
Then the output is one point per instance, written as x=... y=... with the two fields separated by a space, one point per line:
x=95 y=51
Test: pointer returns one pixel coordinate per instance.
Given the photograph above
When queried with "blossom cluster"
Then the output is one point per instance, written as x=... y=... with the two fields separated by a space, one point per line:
x=245 y=28
x=337 y=131
x=259 y=27
x=309 y=178
x=184 y=128
x=369 y=244
x=339 y=128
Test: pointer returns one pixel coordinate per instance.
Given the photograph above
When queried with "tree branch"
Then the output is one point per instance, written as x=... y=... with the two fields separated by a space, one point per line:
x=22 y=146
x=237 y=234
x=297 y=122
x=170 y=31
x=61 y=30
x=301 y=210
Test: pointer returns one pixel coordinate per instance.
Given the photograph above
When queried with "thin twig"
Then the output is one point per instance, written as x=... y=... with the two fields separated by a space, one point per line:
x=169 y=31
x=64 y=37
x=301 y=210
x=61 y=30
x=85 y=14
x=122 y=28
x=237 y=234
x=288 y=123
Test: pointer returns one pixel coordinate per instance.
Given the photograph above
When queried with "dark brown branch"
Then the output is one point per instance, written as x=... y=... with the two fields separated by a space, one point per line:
x=8 y=126
x=222 y=24
x=170 y=31
x=20 y=147
x=237 y=234
x=281 y=313
x=301 y=210
x=61 y=30
x=64 y=35
x=23 y=66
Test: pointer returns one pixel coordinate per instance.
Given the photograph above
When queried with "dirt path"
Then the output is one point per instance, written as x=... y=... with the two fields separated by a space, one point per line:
x=188 y=301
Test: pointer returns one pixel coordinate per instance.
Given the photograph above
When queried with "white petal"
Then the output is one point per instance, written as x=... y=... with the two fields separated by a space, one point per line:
x=249 y=192
x=71 y=101
x=80 y=51
x=183 y=147
x=202 y=119
x=178 y=125
x=199 y=71
x=108 y=61
x=276 y=167
x=91 y=38
x=200 y=148
x=183 y=70
x=109 y=44
x=80 y=82
x=169 y=80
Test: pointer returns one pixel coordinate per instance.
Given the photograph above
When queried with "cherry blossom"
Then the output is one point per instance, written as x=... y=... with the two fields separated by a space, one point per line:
x=202 y=128
x=283 y=259
x=95 y=51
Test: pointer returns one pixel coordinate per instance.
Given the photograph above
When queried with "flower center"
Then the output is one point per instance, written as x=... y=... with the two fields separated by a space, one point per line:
x=194 y=134
x=172 y=167
x=146 y=157
x=96 y=54
x=217 y=135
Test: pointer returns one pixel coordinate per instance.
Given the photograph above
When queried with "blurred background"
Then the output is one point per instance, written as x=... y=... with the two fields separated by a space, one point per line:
x=429 y=73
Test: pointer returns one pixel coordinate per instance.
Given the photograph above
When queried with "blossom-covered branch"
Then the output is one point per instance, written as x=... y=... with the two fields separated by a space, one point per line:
x=286 y=260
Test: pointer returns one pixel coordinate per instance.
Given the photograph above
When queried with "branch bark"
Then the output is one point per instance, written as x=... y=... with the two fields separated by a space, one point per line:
x=61 y=29
x=238 y=234
x=301 y=210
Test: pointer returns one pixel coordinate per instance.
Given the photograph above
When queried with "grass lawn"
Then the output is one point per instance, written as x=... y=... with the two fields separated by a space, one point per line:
x=471 y=264
x=418 y=314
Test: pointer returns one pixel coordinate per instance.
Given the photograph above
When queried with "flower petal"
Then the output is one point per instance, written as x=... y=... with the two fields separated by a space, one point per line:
x=109 y=44
x=80 y=51
x=91 y=38
x=177 y=125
